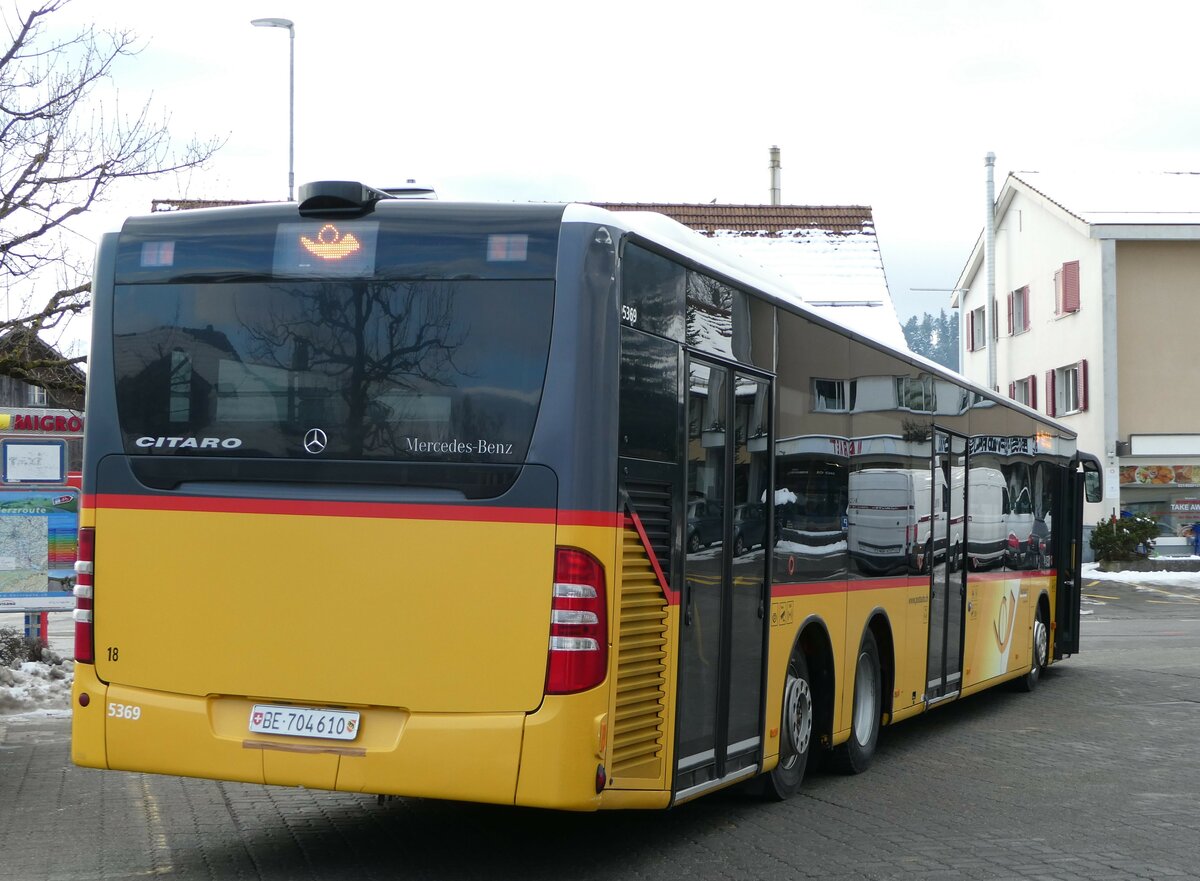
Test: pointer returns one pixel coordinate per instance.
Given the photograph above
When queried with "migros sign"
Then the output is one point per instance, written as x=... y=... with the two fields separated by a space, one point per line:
x=41 y=424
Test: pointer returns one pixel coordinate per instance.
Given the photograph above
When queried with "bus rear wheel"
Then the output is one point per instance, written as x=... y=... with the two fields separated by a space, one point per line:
x=1041 y=652
x=796 y=732
x=854 y=756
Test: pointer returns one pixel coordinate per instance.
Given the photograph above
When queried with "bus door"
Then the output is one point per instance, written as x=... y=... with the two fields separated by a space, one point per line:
x=723 y=614
x=1068 y=554
x=947 y=589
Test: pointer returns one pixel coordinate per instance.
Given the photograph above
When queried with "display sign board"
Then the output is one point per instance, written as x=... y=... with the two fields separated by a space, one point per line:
x=38 y=546
x=1160 y=475
x=33 y=461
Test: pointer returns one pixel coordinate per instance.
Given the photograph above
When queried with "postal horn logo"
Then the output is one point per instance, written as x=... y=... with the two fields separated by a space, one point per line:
x=331 y=244
x=315 y=441
x=1006 y=620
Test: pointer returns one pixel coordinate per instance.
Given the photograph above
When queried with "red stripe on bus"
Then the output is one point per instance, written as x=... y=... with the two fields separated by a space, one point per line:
x=309 y=508
x=813 y=588
x=1011 y=574
x=590 y=518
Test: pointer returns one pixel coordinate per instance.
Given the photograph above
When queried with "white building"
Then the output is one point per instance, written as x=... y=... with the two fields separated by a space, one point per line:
x=1094 y=321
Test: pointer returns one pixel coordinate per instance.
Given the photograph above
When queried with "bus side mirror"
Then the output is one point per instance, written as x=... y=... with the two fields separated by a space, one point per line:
x=1093 y=489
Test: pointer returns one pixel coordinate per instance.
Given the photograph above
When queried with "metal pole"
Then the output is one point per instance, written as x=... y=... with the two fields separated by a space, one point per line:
x=989 y=255
x=291 y=112
x=291 y=29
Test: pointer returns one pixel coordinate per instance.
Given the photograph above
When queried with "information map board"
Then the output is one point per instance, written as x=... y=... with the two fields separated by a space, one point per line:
x=38 y=544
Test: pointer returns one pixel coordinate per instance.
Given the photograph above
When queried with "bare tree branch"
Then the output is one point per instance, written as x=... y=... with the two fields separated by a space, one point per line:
x=62 y=150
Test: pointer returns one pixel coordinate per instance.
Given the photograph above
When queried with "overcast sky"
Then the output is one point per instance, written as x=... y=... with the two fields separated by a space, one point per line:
x=887 y=104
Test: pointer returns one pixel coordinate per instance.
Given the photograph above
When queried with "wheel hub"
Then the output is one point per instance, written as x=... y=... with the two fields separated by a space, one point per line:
x=1041 y=642
x=797 y=717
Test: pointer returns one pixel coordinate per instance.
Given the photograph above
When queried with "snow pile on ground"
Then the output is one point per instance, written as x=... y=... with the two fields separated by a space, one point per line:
x=35 y=685
x=1146 y=579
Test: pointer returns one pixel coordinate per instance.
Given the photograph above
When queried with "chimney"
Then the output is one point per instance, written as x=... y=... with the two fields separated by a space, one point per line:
x=775 y=169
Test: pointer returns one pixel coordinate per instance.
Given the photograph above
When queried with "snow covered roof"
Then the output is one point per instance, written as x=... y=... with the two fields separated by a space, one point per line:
x=1108 y=203
x=1117 y=197
x=828 y=255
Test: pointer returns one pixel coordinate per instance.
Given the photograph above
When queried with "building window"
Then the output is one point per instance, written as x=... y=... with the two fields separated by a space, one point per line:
x=834 y=395
x=1066 y=289
x=1067 y=389
x=916 y=394
x=1018 y=311
x=1024 y=391
x=976 y=322
x=37 y=396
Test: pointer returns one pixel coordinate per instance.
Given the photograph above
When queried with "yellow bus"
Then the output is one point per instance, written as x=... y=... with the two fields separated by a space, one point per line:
x=531 y=504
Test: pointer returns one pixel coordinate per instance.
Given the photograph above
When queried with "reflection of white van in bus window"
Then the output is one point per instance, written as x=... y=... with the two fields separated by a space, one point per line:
x=888 y=522
x=890 y=526
x=1024 y=551
x=987 y=518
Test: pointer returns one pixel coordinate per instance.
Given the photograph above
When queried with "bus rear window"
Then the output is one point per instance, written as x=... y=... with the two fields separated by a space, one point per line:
x=448 y=371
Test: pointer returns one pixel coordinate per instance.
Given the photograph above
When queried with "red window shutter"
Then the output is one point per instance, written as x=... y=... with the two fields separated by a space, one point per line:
x=1083 y=385
x=1032 y=391
x=1012 y=391
x=971 y=331
x=1010 y=314
x=1070 y=286
x=1050 y=393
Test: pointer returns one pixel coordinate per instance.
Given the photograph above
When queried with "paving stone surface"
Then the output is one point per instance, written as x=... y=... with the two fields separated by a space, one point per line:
x=1096 y=775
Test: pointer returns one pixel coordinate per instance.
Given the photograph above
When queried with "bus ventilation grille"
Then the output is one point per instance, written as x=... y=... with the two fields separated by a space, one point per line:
x=641 y=695
x=652 y=501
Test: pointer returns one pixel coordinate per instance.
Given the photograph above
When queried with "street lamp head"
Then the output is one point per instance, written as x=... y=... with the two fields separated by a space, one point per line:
x=273 y=23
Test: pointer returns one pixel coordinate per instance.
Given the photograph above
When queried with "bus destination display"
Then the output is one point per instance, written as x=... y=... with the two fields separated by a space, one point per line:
x=323 y=249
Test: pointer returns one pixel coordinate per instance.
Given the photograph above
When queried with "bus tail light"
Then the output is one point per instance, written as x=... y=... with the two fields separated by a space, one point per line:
x=84 y=585
x=578 y=658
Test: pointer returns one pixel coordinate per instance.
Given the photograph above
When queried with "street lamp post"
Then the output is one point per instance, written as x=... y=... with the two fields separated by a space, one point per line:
x=291 y=29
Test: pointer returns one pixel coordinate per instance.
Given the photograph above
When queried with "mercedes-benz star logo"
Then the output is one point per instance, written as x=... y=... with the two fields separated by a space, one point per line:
x=315 y=441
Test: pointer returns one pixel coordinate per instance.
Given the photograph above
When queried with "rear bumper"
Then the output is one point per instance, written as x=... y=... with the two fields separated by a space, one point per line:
x=473 y=757
x=548 y=758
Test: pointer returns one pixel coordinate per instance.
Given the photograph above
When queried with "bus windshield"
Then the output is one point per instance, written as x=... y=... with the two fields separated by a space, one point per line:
x=430 y=370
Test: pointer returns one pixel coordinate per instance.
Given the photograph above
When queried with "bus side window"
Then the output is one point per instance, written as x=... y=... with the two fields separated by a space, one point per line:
x=652 y=293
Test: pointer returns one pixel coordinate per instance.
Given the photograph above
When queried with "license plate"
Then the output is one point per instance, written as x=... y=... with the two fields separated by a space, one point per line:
x=304 y=722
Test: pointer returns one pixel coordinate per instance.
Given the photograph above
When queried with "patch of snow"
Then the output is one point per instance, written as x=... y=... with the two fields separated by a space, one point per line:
x=1119 y=196
x=838 y=275
x=36 y=687
x=1183 y=580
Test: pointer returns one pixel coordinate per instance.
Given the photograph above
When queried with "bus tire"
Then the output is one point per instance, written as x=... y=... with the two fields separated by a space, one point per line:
x=796 y=731
x=1041 y=651
x=854 y=756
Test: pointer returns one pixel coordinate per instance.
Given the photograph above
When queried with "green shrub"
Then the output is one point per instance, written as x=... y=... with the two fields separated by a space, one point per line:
x=1124 y=538
x=16 y=647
